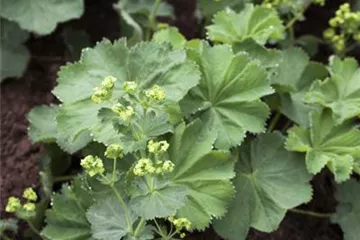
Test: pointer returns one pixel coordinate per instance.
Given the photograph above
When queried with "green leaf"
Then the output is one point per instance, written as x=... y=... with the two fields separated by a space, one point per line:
x=146 y=7
x=265 y=170
x=341 y=92
x=228 y=96
x=108 y=220
x=66 y=219
x=75 y=40
x=327 y=144
x=9 y=224
x=209 y=8
x=42 y=123
x=348 y=211
x=160 y=200
x=258 y=23
x=204 y=172
x=170 y=35
x=292 y=104
x=146 y=63
x=41 y=16
x=13 y=50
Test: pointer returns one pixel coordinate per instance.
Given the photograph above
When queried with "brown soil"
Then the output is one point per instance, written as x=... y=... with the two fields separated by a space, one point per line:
x=19 y=158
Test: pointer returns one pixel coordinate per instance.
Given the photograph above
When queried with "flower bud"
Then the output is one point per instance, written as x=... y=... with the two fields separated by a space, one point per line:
x=92 y=165
x=130 y=87
x=156 y=94
x=13 y=205
x=30 y=194
x=114 y=151
x=108 y=83
x=29 y=207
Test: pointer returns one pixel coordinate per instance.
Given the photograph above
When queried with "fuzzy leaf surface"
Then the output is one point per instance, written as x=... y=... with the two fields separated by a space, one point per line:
x=340 y=92
x=41 y=16
x=170 y=35
x=205 y=173
x=348 y=211
x=327 y=144
x=108 y=221
x=66 y=219
x=253 y=22
x=228 y=96
x=264 y=170
x=42 y=123
x=146 y=63
x=14 y=55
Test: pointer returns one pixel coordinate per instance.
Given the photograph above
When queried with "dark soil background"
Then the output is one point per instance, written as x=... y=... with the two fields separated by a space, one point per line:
x=20 y=158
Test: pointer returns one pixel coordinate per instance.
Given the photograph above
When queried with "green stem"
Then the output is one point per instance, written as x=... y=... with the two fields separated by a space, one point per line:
x=124 y=206
x=287 y=125
x=297 y=16
x=64 y=178
x=5 y=237
x=310 y=213
x=33 y=228
x=159 y=231
x=152 y=20
x=139 y=227
x=274 y=121
x=114 y=171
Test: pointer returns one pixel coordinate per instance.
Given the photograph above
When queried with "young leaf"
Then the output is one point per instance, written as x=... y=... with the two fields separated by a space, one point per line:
x=41 y=16
x=42 y=123
x=228 y=96
x=204 y=172
x=258 y=23
x=327 y=144
x=156 y=198
x=265 y=169
x=66 y=219
x=13 y=50
x=146 y=63
x=108 y=220
x=341 y=92
x=348 y=211
x=170 y=35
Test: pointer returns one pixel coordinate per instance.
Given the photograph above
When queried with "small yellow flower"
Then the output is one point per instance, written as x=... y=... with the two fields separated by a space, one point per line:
x=168 y=166
x=157 y=147
x=130 y=87
x=30 y=194
x=125 y=113
x=13 y=205
x=143 y=167
x=114 y=151
x=182 y=235
x=108 y=82
x=29 y=207
x=156 y=94
x=93 y=165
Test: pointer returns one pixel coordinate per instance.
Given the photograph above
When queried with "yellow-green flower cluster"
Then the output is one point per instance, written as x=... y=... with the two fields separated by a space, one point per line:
x=104 y=91
x=155 y=94
x=344 y=25
x=157 y=147
x=180 y=224
x=125 y=113
x=130 y=87
x=146 y=166
x=114 y=151
x=14 y=204
x=92 y=165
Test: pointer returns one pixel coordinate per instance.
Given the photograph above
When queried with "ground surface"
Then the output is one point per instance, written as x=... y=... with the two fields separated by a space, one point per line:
x=19 y=158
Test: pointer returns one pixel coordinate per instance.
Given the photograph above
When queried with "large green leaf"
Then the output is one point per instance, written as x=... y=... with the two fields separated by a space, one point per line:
x=348 y=211
x=209 y=8
x=42 y=123
x=341 y=92
x=41 y=16
x=14 y=55
x=258 y=23
x=203 y=171
x=269 y=181
x=108 y=221
x=146 y=63
x=228 y=96
x=156 y=198
x=327 y=144
x=66 y=219
x=170 y=35
x=293 y=79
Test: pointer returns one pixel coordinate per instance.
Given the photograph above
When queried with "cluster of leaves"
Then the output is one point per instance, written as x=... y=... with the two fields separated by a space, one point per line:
x=215 y=102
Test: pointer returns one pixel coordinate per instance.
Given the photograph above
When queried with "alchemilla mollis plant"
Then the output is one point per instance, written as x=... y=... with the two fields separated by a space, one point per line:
x=178 y=135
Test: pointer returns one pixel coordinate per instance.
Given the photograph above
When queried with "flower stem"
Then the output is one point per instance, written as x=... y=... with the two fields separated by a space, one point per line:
x=33 y=228
x=152 y=19
x=139 y=227
x=310 y=213
x=124 y=206
x=274 y=121
x=114 y=171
